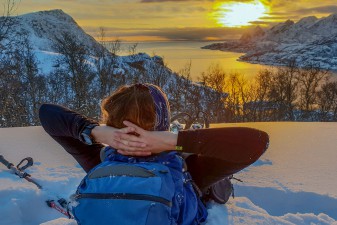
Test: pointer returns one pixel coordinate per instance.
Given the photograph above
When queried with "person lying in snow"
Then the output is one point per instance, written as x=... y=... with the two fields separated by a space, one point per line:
x=137 y=120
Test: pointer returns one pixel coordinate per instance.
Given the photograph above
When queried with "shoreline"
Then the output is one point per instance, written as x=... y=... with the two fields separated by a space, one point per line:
x=225 y=47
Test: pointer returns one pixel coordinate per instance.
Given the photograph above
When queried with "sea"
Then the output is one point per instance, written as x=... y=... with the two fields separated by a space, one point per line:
x=178 y=54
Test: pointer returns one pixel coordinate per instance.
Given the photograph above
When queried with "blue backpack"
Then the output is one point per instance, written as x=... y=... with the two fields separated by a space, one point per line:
x=138 y=191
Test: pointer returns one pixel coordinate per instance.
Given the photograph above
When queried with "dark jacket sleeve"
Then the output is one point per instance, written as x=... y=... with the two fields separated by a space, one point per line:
x=65 y=127
x=59 y=121
x=235 y=144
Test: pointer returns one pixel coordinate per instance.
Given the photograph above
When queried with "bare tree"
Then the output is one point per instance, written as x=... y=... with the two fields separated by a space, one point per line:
x=6 y=22
x=181 y=93
x=310 y=79
x=327 y=101
x=12 y=110
x=59 y=87
x=237 y=96
x=192 y=93
x=34 y=84
x=13 y=104
x=133 y=49
x=114 y=46
x=215 y=78
x=260 y=108
x=6 y=25
x=104 y=62
x=245 y=94
x=174 y=93
x=75 y=57
x=284 y=91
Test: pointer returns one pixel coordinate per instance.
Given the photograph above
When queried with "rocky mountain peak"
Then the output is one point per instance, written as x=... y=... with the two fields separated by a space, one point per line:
x=43 y=27
x=252 y=34
x=258 y=31
x=307 y=21
x=281 y=27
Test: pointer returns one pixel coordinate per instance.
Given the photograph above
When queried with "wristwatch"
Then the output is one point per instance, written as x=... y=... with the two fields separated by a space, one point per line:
x=86 y=134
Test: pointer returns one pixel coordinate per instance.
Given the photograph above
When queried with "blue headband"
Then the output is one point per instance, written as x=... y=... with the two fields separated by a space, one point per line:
x=162 y=108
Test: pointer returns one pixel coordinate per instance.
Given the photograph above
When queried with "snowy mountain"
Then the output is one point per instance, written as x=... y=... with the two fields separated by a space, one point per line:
x=308 y=41
x=293 y=183
x=43 y=27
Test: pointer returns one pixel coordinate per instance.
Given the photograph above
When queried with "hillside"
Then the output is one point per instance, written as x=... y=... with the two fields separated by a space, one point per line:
x=47 y=57
x=293 y=182
x=308 y=41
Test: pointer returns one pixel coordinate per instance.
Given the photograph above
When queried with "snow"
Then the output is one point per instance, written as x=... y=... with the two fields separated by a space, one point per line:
x=292 y=183
x=46 y=61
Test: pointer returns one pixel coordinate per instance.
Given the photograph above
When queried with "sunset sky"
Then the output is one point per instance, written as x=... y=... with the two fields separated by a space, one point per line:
x=154 y=20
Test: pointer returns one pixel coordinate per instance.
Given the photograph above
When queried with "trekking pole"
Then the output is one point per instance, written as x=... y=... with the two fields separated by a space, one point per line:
x=19 y=171
x=62 y=208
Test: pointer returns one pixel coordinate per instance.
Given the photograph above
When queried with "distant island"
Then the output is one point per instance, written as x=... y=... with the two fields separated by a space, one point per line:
x=310 y=41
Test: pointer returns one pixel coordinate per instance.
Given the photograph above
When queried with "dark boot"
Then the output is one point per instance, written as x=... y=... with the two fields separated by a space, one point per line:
x=219 y=191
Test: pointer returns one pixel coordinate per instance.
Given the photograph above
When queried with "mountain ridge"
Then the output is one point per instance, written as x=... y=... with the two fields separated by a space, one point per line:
x=310 y=40
x=43 y=27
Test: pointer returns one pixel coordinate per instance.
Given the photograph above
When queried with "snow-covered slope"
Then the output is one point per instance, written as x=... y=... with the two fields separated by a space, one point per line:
x=293 y=182
x=310 y=40
x=43 y=27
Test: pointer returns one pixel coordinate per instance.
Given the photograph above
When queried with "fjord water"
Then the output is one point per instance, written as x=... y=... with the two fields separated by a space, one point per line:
x=177 y=54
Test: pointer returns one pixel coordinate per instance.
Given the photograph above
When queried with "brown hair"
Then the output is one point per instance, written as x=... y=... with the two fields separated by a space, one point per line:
x=133 y=103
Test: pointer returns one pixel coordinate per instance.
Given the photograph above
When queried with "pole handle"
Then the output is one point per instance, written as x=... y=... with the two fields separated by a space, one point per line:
x=5 y=162
x=29 y=163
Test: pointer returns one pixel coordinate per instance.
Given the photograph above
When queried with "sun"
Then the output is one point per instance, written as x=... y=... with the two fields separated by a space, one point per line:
x=238 y=14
